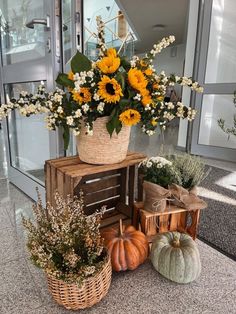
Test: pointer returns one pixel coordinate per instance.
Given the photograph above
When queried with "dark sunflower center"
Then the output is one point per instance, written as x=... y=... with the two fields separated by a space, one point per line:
x=110 y=89
x=131 y=115
x=82 y=94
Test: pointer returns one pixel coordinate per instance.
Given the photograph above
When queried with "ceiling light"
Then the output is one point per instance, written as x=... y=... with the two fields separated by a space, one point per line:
x=158 y=27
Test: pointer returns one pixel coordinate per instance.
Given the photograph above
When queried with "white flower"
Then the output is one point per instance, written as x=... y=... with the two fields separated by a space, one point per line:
x=78 y=113
x=69 y=120
x=24 y=93
x=148 y=164
x=96 y=97
x=85 y=108
x=137 y=97
x=100 y=107
x=60 y=109
x=76 y=132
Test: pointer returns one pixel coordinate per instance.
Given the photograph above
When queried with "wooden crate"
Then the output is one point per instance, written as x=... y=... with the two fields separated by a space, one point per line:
x=110 y=185
x=173 y=219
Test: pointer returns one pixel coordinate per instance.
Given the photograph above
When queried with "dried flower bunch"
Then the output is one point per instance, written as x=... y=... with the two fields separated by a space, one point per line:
x=191 y=169
x=128 y=91
x=160 y=171
x=63 y=241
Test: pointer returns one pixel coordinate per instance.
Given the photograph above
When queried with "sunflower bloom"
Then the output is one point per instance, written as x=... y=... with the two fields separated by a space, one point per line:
x=148 y=71
x=137 y=79
x=146 y=97
x=154 y=122
x=130 y=117
x=111 y=52
x=109 y=89
x=82 y=96
x=109 y=65
x=70 y=76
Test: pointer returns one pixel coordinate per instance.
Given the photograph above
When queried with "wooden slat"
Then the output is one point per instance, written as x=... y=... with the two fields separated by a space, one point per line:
x=100 y=184
x=53 y=185
x=131 y=185
x=111 y=220
x=192 y=229
x=47 y=170
x=60 y=183
x=163 y=223
x=140 y=185
x=68 y=186
x=174 y=221
x=109 y=204
x=101 y=195
x=123 y=185
x=124 y=209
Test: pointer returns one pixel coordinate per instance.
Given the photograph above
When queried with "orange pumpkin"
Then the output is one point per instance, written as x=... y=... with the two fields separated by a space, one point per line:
x=128 y=248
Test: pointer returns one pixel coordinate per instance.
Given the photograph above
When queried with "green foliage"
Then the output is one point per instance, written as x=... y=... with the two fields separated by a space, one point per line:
x=192 y=170
x=80 y=63
x=63 y=80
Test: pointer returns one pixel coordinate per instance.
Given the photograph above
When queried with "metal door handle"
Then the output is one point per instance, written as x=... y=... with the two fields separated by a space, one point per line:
x=31 y=23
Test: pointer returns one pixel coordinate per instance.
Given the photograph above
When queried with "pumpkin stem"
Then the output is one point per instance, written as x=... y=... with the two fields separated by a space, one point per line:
x=176 y=242
x=121 y=227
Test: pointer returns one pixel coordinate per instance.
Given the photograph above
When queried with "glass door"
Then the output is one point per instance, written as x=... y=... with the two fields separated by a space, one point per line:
x=30 y=55
x=216 y=72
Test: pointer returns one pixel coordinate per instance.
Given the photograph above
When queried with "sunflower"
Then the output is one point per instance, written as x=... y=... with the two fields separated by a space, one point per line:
x=137 y=79
x=109 y=64
x=109 y=89
x=146 y=97
x=70 y=76
x=154 y=122
x=111 y=52
x=130 y=117
x=148 y=71
x=82 y=96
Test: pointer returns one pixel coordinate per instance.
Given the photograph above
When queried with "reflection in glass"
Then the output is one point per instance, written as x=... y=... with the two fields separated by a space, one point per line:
x=213 y=108
x=221 y=57
x=29 y=139
x=18 y=42
x=117 y=29
x=67 y=29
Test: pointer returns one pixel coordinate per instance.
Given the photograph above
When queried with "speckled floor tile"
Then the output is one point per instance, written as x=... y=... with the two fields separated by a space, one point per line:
x=17 y=289
x=9 y=246
x=5 y=221
x=226 y=305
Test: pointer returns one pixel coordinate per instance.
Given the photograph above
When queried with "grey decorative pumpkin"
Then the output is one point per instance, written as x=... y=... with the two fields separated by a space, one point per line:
x=175 y=256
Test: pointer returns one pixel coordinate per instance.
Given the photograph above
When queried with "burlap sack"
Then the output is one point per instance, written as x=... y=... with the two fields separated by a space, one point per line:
x=155 y=197
x=185 y=199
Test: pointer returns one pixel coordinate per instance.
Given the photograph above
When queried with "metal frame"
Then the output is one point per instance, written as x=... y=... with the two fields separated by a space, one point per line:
x=36 y=70
x=216 y=88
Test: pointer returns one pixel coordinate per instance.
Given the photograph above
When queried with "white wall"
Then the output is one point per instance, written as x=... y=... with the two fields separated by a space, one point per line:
x=171 y=64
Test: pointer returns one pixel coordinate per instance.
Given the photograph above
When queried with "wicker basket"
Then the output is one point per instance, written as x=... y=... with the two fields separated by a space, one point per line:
x=92 y=291
x=100 y=148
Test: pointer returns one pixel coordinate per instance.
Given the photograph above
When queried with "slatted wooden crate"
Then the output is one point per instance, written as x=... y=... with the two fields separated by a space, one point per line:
x=173 y=219
x=111 y=185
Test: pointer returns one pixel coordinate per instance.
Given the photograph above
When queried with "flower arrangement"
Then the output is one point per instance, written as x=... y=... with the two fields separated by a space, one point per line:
x=190 y=168
x=64 y=242
x=159 y=170
x=128 y=91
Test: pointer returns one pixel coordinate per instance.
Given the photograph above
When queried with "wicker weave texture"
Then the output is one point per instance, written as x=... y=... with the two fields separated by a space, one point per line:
x=92 y=291
x=100 y=148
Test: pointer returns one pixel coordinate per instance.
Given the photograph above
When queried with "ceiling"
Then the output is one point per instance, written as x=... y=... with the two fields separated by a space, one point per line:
x=142 y=15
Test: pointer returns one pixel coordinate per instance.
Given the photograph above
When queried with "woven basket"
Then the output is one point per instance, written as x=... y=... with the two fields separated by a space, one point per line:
x=100 y=148
x=92 y=291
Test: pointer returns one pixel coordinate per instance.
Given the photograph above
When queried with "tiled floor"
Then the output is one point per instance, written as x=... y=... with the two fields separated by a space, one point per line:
x=23 y=288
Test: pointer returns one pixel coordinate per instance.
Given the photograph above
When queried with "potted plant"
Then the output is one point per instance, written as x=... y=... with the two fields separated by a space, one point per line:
x=191 y=169
x=158 y=174
x=67 y=245
x=103 y=99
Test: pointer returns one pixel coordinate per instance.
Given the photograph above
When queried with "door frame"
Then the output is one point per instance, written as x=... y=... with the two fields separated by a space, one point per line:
x=43 y=69
x=209 y=88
